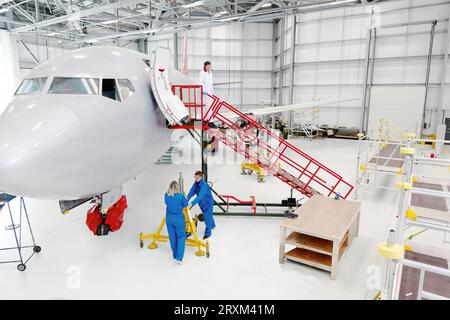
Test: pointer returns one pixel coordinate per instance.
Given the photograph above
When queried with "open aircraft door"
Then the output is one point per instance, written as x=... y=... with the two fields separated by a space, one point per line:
x=171 y=106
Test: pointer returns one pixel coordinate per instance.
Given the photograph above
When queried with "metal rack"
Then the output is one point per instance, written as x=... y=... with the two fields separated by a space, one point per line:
x=379 y=157
x=395 y=247
x=305 y=122
x=23 y=259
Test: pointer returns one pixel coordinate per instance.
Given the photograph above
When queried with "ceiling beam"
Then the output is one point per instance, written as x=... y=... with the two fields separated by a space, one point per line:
x=208 y=22
x=25 y=13
x=68 y=10
x=256 y=7
x=78 y=14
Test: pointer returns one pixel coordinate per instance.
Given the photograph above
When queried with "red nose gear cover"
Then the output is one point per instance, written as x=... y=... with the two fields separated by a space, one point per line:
x=94 y=218
x=114 y=217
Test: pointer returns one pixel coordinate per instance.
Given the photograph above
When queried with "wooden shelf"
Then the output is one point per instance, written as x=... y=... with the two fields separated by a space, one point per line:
x=344 y=246
x=311 y=258
x=311 y=243
x=321 y=234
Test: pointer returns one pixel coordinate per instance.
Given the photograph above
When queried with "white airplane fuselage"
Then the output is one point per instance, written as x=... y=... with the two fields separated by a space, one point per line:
x=73 y=146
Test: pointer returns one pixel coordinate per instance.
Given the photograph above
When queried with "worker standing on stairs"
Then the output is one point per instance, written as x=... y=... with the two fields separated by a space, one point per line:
x=175 y=223
x=206 y=80
x=205 y=201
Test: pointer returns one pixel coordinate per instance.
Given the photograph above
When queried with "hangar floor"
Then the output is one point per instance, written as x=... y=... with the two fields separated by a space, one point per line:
x=244 y=251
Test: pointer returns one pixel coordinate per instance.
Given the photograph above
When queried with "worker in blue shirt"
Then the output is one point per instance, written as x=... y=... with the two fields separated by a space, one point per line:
x=205 y=201
x=175 y=223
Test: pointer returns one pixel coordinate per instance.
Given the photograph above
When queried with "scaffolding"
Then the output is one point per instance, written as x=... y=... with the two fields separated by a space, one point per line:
x=379 y=156
x=306 y=121
x=22 y=258
x=417 y=208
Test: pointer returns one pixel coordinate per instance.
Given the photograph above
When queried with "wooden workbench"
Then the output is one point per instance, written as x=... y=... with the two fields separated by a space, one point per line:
x=321 y=233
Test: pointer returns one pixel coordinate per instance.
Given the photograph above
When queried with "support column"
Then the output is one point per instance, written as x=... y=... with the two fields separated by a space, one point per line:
x=427 y=77
x=292 y=68
x=366 y=80
x=175 y=51
x=9 y=68
x=280 y=73
x=441 y=120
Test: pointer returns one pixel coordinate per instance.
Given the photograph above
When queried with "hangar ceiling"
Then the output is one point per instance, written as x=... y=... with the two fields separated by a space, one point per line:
x=78 y=22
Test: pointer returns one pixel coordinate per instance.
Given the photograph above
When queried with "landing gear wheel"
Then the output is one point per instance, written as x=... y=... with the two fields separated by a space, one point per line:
x=37 y=249
x=207 y=250
x=102 y=229
x=141 y=244
x=21 y=267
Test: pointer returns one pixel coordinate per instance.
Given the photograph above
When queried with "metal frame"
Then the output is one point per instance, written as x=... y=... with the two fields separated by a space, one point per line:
x=396 y=236
x=368 y=174
x=270 y=156
x=23 y=259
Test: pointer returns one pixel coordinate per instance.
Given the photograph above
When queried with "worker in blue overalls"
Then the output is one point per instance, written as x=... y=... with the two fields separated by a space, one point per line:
x=175 y=223
x=205 y=201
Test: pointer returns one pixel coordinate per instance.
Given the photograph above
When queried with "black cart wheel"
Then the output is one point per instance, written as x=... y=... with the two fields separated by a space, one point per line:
x=21 y=267
x=37 y=249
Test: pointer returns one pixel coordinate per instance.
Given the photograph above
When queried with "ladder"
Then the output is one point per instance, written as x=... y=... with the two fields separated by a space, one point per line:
x=274 y=154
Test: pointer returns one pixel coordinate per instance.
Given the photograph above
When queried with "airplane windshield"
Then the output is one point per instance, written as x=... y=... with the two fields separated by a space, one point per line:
x=62 y=85
x=31 y=86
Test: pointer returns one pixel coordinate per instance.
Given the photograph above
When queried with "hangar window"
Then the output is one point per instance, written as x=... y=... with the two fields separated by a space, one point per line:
x=126 y=88
x=62 y=85
x=31 y=86
x=109 y=89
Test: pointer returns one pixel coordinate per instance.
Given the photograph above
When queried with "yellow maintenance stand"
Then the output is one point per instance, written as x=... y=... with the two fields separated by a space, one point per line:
x=191 y=230
x=249 y=168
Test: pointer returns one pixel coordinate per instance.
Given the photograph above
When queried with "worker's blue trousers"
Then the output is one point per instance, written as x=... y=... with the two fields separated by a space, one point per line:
x=177 y=234
x=209 y=221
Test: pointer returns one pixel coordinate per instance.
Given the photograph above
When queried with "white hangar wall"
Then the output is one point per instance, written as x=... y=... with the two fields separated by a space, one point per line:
x=240 y=54
x=331 y=49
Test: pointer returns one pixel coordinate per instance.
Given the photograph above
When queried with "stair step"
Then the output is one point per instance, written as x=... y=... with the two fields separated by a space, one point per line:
x=317 y=178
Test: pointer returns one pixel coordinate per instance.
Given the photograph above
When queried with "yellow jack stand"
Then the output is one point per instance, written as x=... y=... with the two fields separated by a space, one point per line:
x=248 y=168
x=191 y=229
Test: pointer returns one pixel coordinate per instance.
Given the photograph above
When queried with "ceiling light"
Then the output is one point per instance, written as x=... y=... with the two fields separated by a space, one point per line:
x=229 y=19
x=109 y=22
x=3 y=10
x=193 y=4
x=51 y=34
x=221 y=13
x=153 y=30
x=266 y=5
x=92 y=41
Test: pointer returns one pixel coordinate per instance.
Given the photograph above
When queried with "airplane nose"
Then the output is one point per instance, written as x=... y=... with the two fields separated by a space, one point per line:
x=33 y=136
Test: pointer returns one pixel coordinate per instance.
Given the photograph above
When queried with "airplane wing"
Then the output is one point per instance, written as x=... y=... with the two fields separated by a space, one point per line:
x=291 y=107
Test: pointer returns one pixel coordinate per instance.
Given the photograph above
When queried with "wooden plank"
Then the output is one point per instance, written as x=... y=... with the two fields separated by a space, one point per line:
x=324 y=218
x=389 y=151
x=282 y=247
x=433 y=283
x=344 y=246
x=309 y=242
x=310 y=258
x=431 y=214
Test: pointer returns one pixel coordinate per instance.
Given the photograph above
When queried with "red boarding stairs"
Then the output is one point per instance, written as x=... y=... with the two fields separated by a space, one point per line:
x=278 y=157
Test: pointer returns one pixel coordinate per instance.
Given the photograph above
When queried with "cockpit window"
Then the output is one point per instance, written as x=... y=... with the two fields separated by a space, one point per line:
x=109 y=89
x=126 y=88
x=31 y=86
x=62 y=85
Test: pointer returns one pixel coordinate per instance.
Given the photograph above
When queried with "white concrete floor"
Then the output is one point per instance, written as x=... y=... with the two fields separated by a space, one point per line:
x=244 y=251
